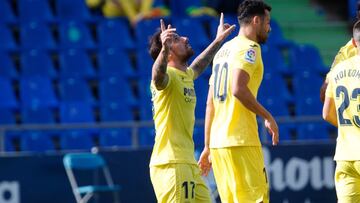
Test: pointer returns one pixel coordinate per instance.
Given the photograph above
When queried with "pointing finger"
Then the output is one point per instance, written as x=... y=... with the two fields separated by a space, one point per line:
x=221 y=19
x=162 y=25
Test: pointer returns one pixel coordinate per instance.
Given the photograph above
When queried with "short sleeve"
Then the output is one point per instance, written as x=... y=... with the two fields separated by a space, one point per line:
x=211 y=79
x=190 y=73
x=247 y=60
x=329 y=89
x=170 y=75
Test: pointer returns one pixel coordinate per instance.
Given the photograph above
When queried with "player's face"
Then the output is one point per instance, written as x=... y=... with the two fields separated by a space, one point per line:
x=181 y=47
x=264 y=28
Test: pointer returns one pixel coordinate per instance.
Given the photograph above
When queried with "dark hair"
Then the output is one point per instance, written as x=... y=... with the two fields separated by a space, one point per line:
x=155 y=45
x=356 y=31
x=250 y=8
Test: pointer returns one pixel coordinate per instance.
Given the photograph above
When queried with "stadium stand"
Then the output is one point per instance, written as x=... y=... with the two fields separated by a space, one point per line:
x=61 y=64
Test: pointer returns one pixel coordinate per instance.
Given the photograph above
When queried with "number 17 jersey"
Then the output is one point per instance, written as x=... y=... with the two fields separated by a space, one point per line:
x=344 y=88
x=233 y=124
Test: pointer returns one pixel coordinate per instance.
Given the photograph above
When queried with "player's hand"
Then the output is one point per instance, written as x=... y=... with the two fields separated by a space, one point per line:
x=205 y=161
x=224 y=30
x=273 y=129
x=166 y=34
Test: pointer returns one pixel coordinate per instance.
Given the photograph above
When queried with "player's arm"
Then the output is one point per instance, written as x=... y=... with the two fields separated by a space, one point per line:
x=159 y=75
x=241 y=91
x=323 y=90
x=203 y=60
x=205 y=160
x=329 y=111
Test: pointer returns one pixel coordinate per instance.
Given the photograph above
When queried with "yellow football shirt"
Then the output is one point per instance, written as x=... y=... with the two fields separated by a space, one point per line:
x=174 y=119
x=344 y=87
x=233 y=124
x=345 y=52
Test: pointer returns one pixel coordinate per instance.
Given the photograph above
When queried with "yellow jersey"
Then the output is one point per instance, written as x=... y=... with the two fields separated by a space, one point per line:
x=174 y=118
x=233 y=124
x=344 y=88
x=345 y=52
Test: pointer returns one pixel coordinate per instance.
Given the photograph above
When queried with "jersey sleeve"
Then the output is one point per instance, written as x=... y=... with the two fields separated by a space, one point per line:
x=340 y=56
x=247 y=60
x=211 y=79
x=190 y=72
x=170 y=78
x=329 y=89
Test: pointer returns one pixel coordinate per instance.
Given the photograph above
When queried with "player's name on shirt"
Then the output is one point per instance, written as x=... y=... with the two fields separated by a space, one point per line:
x=222 y=53
x=347 y=73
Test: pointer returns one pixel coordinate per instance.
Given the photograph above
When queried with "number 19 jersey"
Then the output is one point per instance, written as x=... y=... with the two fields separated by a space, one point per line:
x=233 y=124
x=344 y=88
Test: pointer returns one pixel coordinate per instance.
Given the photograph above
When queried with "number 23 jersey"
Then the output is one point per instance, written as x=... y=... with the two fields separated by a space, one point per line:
x=344 y=88
x=233 y=124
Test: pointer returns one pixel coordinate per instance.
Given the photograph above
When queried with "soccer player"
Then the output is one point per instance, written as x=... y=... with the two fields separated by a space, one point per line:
x=345 y=52
x=174 y=172
x=341 y=109
x=231 y=131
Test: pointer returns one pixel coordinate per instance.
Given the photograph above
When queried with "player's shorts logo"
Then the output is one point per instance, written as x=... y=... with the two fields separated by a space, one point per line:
x=250 y=56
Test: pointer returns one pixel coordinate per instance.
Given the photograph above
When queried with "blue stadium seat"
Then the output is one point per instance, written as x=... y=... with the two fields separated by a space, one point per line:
x=7 y=40
x=75 y=90
x=72 y=10
x=115 y=62
x=35 y=35
x=306 y=83
x=7 y=94
x=76 y=63
x=116 y=89
x=308 y=105
x=276 y=105
x=36 y=141
x=312 y=131
x=144 y=30
x=37 y=63
x=37 y=115
x=115 y=33
x=147 y=136
x=201 y=89
x=193 y=29
x=276 y=37
x=266 y=90
x=35 y=10
x=273 y=60
x=144 y=63
x=76 y=112
x=7 y=66
x=37 y=91
x=115 y=137
x=198 y=137
x=9 y=146
x=285 y=132
x=116 y=111
x=7 y=116
x=307 y=57
x=76 y=139
x=146 y=113
x=178 y=8
x=6 y=13
x=75 y=35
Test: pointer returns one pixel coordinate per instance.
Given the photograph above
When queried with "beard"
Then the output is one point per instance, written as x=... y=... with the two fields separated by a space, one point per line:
x=262 y=38
x=189 y=53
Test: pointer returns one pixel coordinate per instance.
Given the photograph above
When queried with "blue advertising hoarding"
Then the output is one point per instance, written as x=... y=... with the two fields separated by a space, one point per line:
x=298 y=173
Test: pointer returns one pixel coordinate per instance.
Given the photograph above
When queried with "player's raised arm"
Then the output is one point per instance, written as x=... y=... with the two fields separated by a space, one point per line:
x=159 y=75
x=204 y=59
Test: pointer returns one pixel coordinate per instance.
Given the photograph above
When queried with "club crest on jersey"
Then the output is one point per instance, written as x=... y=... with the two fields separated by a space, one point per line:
x=250 y=55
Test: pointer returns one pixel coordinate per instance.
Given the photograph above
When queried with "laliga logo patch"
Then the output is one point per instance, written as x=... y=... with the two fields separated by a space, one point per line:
x=250 y=56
